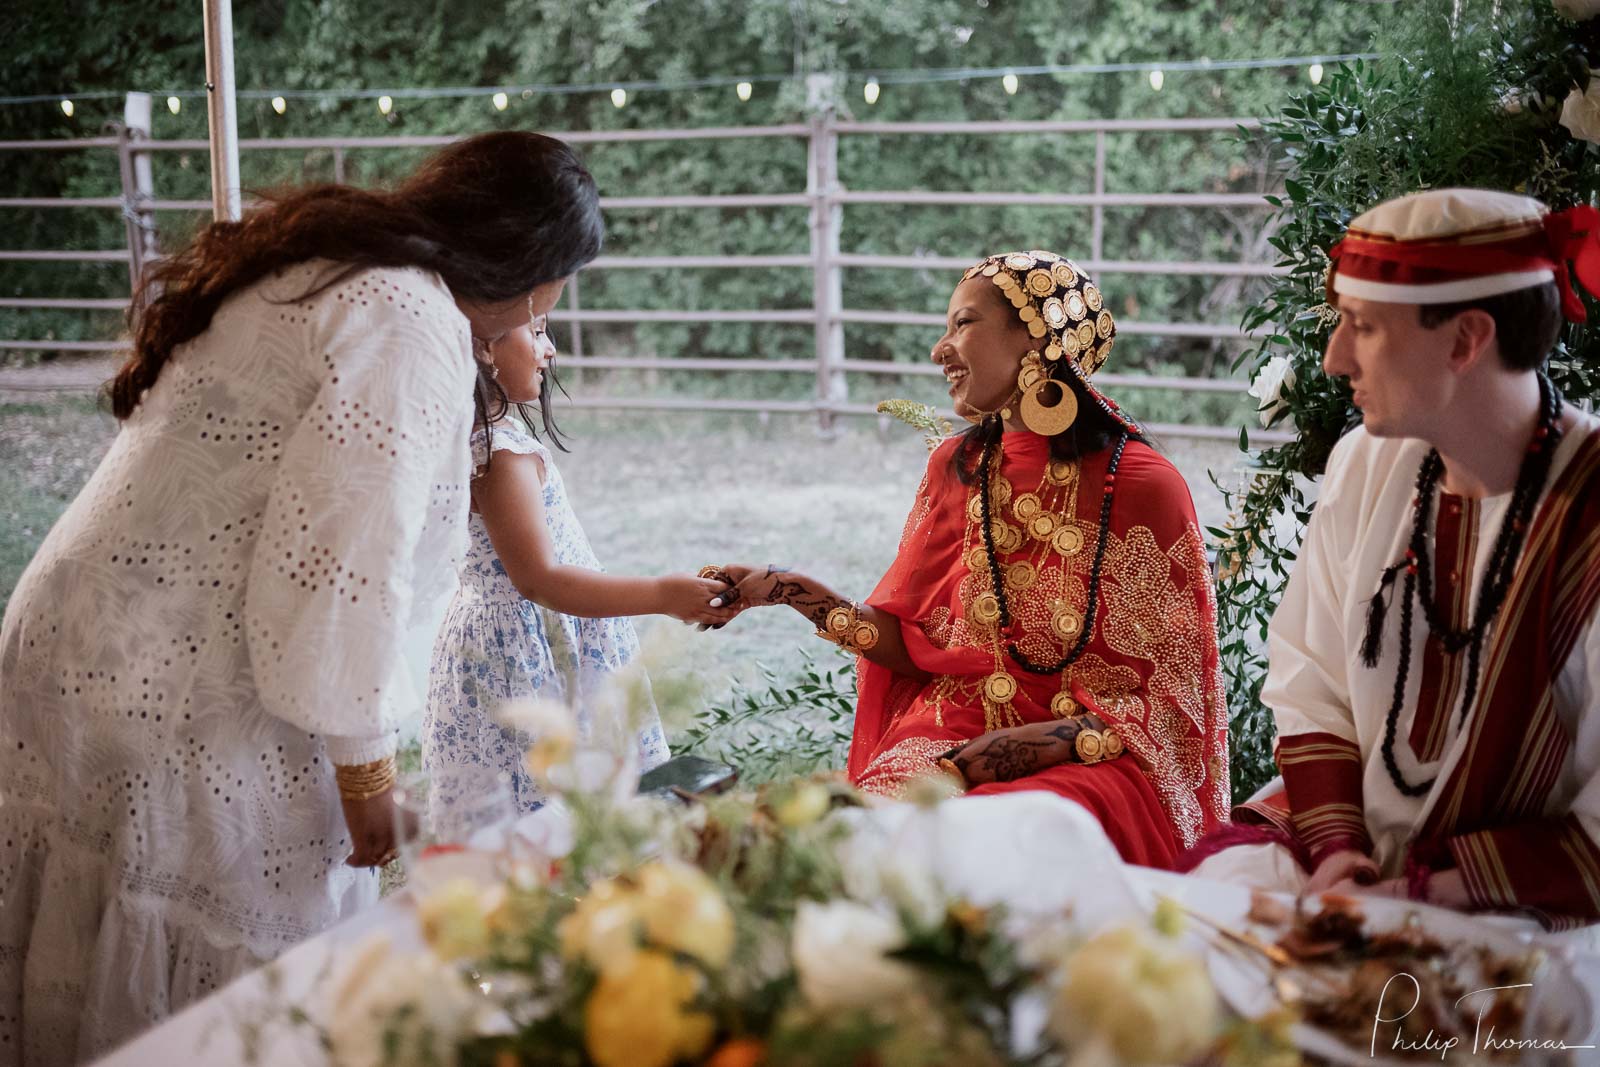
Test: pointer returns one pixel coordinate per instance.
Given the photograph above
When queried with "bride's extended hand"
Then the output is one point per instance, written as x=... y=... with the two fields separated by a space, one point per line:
x=758 y=586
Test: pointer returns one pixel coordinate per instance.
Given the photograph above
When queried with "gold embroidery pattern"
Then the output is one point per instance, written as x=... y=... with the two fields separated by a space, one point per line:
x=1149 y=616
x=889 y=772
x=919 y=514
x=1157 y=607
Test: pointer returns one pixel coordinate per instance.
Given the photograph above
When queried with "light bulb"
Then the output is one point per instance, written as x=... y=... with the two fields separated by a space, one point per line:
x=1010 y=83
x=67 y=108
x=1157 y=80
x=744 y=89
x=385 y=105
x=501 y=101
x=174 y=105
x=1316 y=73
x=870 y=92
x=619 y=97
x=279 y=104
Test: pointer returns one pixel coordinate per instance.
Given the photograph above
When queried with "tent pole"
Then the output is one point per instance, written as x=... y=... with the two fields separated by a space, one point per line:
x=223 y=114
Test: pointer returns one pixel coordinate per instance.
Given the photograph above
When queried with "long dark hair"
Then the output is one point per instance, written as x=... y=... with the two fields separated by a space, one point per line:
x=1092 y=431
x=496 y=216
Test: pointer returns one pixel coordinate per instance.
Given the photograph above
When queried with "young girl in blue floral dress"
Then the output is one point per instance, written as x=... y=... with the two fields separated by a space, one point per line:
x=534 y=616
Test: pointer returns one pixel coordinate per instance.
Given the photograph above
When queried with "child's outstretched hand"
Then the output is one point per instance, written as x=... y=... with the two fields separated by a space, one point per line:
x=688 y=599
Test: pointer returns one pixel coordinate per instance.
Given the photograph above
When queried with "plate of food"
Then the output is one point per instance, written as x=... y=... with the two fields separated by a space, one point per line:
x=1388 y=983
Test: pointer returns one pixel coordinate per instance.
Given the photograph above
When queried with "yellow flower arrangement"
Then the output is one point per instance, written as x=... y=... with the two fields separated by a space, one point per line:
x=641 y=1015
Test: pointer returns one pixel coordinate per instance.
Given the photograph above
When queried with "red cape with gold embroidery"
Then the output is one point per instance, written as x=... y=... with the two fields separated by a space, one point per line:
x=1150 y=667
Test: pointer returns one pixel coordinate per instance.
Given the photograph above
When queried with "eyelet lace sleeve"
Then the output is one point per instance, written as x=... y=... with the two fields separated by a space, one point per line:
x=368 y=502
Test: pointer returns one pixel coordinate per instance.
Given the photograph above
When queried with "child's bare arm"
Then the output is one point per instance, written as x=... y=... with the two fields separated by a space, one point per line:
x=510 y=497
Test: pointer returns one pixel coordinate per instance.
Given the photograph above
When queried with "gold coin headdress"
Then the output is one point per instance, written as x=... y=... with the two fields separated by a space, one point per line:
x=1066 y=315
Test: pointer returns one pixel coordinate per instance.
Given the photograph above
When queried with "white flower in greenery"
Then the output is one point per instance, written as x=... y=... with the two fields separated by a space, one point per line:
x=914 y=889
x=1580 y=113
x=1138 y=994
x=1274 y=378
x=455 y=918
x=840 y=956
x=1577 y=10
x=396 y=1011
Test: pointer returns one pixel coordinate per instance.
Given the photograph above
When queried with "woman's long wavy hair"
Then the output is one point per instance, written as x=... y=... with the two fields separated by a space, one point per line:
x=495 y=216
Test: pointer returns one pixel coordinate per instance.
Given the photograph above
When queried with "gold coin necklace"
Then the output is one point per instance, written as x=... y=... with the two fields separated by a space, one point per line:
x=997 y=579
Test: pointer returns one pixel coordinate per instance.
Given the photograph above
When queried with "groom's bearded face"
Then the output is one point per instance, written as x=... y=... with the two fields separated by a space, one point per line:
x=982 y=348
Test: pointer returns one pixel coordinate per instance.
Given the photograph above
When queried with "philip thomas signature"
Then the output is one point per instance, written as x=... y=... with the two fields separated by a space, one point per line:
x=1482 y=1042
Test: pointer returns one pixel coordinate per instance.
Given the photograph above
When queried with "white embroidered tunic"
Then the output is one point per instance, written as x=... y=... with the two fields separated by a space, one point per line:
x=1318 y=685
x=216 y=618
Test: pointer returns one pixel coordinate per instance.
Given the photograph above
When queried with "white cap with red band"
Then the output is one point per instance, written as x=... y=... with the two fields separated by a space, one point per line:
x=1445 y=246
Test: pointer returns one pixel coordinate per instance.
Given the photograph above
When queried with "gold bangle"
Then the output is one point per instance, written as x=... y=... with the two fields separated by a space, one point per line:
x=948 y=765
x=845 y=627
x=363 y=781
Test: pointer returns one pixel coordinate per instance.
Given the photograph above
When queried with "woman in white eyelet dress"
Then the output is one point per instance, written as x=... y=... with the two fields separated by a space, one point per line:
x=168 y=818
x=496 y=646
x=220 y=617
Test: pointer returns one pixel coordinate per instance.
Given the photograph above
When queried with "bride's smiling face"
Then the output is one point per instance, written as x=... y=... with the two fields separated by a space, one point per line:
x=982 y=348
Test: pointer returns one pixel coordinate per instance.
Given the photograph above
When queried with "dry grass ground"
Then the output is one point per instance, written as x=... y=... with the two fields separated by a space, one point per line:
x=655 y=492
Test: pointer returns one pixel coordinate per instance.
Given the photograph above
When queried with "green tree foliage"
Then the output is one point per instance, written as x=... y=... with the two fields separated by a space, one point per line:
x=342 y=44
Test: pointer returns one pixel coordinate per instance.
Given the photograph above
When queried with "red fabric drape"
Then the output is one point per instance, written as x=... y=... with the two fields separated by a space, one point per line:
x=1150 y=667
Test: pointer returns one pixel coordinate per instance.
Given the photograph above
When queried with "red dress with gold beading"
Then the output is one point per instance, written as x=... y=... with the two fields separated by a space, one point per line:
x=1150 y=667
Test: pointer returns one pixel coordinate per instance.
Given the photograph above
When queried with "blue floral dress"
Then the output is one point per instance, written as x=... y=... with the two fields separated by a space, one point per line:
x=495 y=646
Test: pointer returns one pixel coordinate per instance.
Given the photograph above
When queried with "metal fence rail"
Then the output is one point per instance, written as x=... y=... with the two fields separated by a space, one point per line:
x=824 y=198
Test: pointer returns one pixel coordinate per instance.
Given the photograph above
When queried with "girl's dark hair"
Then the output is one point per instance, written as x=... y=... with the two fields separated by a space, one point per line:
x=496 y=216
x=1092 y=431
x=490 y=405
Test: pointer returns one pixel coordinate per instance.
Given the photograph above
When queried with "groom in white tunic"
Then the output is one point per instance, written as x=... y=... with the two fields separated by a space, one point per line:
x=1435 y=660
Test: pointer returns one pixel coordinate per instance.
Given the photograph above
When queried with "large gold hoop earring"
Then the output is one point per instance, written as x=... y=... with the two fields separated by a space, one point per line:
x=1047 y=420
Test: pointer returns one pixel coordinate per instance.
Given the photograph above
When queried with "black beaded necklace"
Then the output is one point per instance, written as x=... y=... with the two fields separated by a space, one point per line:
x=1496 y=581
x=998 y=580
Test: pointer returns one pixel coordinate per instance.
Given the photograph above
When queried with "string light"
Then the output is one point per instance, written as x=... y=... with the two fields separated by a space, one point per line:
x=881 y=77
x=744 y=89
x=174 y=105
x=385 y=104
x=870 y=92
x=279 y=104
x=67 y=108
x=1010 y=84
x=619 y=97
x=501 y=101
x=1157 y=80
x=1316 y=73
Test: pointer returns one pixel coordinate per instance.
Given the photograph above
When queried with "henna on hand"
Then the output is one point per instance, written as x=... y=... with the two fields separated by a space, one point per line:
x=1020 y=751
x=796 y=594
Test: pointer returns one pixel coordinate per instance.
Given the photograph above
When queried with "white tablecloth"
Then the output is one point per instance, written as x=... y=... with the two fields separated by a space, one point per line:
x=1031 y=851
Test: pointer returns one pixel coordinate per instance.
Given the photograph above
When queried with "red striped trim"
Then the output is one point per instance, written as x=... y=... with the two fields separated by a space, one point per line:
x=1549 y=867
x=1322 y=779
x=1444 y=673
x=1492 y=809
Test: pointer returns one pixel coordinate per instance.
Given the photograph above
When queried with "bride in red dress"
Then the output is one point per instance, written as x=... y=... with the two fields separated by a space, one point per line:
x=1049 y=621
